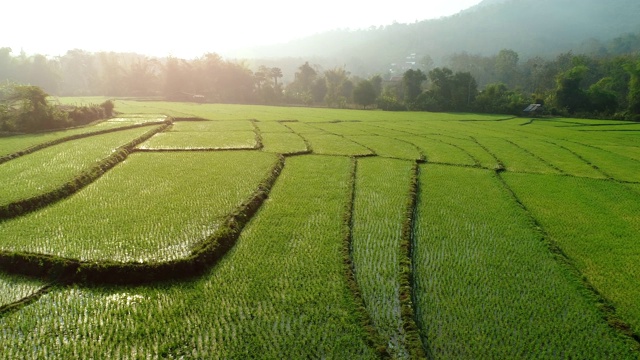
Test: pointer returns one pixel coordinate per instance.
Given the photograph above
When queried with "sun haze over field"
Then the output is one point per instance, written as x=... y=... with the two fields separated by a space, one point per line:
x=191 y=28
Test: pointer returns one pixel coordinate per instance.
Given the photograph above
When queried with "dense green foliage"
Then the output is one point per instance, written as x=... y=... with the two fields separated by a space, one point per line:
x=24 y=108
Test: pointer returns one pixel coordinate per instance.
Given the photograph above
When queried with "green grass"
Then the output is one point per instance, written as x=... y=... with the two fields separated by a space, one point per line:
x=484 y=281
x=487 y=286
x=514 y=157
x=152 y=207
x=200 y=140
x=616 y=166
x=272 y=127
x=283 y=142
x=262 y=113
x=14 y=288
x=382 y=190
x=50 y=168
x=280 y=293
x=439 y=151
x=14 y=143
x=388 y=147
x=328 y=144
x=212 y=126
x=597 y=224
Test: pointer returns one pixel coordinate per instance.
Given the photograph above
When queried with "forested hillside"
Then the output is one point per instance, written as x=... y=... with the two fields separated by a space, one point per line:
x=530 y=27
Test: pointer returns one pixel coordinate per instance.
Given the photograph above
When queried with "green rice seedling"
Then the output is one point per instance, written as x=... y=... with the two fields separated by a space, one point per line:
x=329 y=144
x=343 y=128
x=558 y=157
x=438 y=151
x=261 y=112
x=382 y=189
x=279 y=293
x=303 y=128
x=487 y=286
x=389 y=147
x=49 y=169
x=632 y=152
x=152 y=207
x=14 y=288
x=479 y=154
x=616 y=166
x=200 y=141
x=515 y=158
x=16 y=143
x=272 y=127
x=283 y=143
x=212 y=126
x=597 y=224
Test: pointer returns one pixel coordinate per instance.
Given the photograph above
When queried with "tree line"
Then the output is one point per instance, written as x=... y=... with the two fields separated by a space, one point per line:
x=605 y=86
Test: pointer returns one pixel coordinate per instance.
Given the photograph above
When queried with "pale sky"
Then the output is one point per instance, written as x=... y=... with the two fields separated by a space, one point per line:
x=191 y=28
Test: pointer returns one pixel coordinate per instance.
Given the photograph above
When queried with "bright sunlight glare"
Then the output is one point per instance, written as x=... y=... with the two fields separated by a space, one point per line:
x=190 y=28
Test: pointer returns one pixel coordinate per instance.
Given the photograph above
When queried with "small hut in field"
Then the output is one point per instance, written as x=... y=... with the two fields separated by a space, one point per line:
x=533 y=110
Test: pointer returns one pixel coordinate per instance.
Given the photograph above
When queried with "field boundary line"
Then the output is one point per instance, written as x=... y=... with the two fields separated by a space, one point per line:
x=606 y=308
x=373 y=153
x=499 y=164
x=47 y=144
x=536 y=156
x=258 y=135
x=307 y=144
x=86 y=177
x=583 y=159
x=25 y=301
x=374 y=339
x=202 y=258
x=413 y=340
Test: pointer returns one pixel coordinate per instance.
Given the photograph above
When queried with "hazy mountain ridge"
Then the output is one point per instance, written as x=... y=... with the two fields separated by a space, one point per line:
x=530 y=27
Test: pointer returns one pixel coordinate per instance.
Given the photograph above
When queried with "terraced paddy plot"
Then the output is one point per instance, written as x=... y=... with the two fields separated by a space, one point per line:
x=272 y=127
x=558 y=157
x=343 y=128
x=201 y=141
x=212 y=126
x=438 y=151
x=135 y=119
x=614 y=165
x=49 y=169
x=487 y=286
x=152 y=207
x=16 y=143
x=602 y=235
x=514 y=157
x=283 y=143
x=303 y=128
x=14 y=288
x=389 y=147
x=382 y=191
x=280 y=293
x=476 y=152
x=328 y=144
x=632 y=152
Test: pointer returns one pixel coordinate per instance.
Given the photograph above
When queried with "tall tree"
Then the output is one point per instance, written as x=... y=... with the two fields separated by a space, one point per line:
x=336 y=79
x=275 y=74
x=569 y=94
x=634 y=87
x=364 y=93
x=412 y=83
x=507 y=67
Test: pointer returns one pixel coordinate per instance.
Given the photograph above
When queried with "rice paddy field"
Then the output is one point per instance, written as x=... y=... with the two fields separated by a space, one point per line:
x=207 y=231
